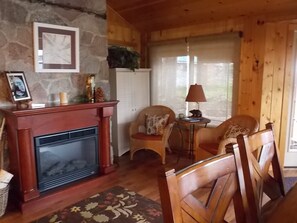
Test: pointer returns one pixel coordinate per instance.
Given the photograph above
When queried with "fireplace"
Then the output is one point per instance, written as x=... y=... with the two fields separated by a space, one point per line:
x=65 y=157
x=56 y=130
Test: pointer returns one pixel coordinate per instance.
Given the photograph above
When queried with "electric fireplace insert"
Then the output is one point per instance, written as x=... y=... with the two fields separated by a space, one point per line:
x=65 y=157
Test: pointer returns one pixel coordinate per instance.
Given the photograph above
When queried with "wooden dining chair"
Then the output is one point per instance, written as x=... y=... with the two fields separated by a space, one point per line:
x=262 y=174
x=201 y=192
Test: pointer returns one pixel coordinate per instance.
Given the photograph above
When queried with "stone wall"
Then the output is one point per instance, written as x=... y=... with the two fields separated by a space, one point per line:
x=17 y=53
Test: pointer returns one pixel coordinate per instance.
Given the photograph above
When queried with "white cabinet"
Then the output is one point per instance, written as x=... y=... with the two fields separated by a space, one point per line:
x=132 y=89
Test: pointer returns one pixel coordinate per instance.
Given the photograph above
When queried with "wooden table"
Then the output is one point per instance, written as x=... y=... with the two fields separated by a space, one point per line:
x=286 y=211
x=190 y=123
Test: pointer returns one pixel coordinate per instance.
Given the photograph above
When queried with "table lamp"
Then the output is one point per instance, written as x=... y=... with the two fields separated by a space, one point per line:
x=196 y=94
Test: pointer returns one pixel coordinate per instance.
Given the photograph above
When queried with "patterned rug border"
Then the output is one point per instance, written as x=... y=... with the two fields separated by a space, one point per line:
x=116 y=204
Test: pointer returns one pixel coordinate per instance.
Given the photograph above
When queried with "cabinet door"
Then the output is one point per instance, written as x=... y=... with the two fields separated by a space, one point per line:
x=124 y=110
x=132 y=91
x=124 y=95
x=140 y=91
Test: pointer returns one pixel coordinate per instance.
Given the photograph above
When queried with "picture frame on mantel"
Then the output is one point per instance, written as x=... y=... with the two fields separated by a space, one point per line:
x=56 y=48
x=18 y=86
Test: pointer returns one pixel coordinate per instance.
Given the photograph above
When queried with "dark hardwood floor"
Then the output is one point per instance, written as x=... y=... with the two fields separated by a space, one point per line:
x=139 y=175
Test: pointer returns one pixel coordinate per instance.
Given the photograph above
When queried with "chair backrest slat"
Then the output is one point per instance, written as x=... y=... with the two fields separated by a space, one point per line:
x=180 y=197
x=259 y=155
x=2 y=127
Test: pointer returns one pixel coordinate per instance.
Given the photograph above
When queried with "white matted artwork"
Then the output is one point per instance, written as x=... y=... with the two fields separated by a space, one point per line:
x=56 y=48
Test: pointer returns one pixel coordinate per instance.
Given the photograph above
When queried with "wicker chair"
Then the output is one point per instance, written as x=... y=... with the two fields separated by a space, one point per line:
x=157 y=143
x=211 y=141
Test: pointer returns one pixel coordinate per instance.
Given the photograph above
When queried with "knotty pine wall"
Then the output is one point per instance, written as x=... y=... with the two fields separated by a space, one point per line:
x=265 y=79
x=120 y=32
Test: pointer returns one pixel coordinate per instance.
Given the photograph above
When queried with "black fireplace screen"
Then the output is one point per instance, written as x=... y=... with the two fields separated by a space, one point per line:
x=66 y=157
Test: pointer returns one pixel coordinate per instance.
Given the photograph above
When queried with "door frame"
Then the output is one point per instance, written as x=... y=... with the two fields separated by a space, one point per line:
x=290 y=70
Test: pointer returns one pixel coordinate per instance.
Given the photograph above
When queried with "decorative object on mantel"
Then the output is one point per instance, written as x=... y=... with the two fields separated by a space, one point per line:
x=63 y=98
x=99 y=95
x=114 y=205
x=56 y=48
x=90 y=87
x=121 y=57
x=18 y=88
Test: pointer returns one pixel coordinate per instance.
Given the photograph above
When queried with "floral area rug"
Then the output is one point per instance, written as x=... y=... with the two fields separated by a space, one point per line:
x=114 y=205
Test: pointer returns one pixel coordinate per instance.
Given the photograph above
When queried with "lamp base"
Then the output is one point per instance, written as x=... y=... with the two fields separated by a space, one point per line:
x=196 y=113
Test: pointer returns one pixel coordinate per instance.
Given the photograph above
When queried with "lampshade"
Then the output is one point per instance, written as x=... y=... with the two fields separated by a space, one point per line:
x=196 y=94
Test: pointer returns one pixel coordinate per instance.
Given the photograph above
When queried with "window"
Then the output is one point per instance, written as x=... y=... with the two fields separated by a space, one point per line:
x=211 y=61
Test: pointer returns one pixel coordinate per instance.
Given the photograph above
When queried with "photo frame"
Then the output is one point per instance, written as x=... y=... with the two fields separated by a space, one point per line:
x=18 y=86
x=56 y=48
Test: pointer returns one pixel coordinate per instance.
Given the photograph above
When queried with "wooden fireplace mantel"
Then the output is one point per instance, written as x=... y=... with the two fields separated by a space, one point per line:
x=25 y=124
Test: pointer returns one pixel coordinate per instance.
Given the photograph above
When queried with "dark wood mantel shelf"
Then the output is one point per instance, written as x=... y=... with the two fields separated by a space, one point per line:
x=25 y=124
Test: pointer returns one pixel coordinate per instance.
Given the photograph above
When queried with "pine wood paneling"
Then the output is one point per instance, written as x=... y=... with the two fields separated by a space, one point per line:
x=120 y=32
x=198 y=30
x=155 y=15
x=280 y=38
x=273 y=88
x=267 y=77
x=251 y=67
x=287 y=91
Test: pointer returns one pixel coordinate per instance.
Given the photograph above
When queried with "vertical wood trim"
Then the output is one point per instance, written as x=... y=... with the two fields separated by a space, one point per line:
x=245 y=68
x=280 y=43
x=144 y=54
x=251 y=68
x=287 y=90
x=274 y=85
x=267 y=83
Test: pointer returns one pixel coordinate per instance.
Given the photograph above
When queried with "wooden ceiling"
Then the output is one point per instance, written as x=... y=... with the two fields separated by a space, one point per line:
x=150 y=15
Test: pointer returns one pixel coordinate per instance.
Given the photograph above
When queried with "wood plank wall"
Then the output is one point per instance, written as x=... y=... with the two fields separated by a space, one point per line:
x=265 y=79
x=120 y=32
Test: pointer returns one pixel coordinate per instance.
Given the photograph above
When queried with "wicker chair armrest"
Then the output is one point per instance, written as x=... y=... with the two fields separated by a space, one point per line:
x=168 y=130
x=224 y=142
x=208 y=135
x=133 y=128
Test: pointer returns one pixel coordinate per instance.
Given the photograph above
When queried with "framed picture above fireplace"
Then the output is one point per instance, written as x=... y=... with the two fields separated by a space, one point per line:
x=18 y=86
x=56 y=48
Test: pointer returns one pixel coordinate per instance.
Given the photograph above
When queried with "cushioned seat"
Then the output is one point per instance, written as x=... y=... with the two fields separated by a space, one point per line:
x=212 y=141
x=151 y=130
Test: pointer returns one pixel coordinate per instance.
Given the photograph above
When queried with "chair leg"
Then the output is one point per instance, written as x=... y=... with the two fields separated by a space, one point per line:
x=163 y=159
x=163 y=155
x=131 y=154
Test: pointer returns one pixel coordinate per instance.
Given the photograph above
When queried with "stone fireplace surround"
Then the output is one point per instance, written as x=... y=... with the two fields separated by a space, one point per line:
x=25 y=124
